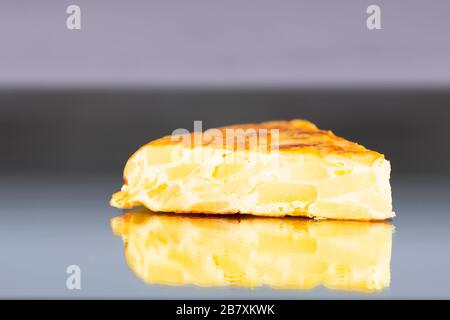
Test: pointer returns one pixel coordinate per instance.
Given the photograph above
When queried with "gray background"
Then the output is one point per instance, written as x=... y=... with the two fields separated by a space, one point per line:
x=75 y=104
x=218 y=43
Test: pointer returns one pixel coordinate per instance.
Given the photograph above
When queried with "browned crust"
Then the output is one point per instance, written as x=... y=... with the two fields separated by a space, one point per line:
x=235 y=214
x=295 y=136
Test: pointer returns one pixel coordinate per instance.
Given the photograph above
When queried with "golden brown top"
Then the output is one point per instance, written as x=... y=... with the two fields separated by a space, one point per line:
x=295 y=136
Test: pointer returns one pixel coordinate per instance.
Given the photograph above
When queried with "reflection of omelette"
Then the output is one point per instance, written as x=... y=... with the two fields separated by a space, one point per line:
x=270 y=169
x=291 y=253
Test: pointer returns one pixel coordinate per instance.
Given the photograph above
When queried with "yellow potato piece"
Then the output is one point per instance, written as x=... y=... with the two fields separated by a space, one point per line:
x=182 y=171
x=286 y=192
x=306 y=172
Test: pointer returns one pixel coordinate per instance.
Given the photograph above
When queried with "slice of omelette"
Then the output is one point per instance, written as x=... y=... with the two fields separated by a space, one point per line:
x=274 y=168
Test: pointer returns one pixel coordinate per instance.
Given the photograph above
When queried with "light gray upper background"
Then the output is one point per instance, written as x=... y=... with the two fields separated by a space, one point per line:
x=224 y=43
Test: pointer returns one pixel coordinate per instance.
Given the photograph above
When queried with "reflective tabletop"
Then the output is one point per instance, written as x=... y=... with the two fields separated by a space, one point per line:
x=51 y=223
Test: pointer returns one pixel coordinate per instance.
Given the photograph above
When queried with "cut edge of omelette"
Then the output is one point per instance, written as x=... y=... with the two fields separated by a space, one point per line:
x=303 y=172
